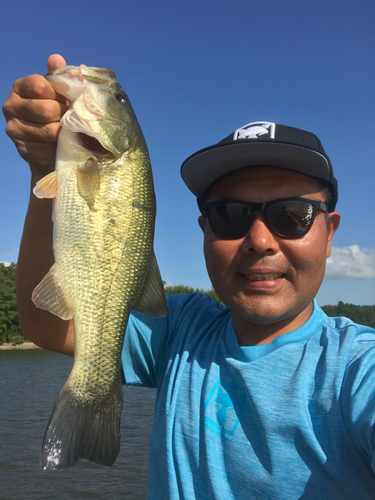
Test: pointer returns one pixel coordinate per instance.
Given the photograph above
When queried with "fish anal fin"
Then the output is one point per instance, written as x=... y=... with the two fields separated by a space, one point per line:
x=47 y=186
x=50 y=296
x=88 y=181
x=152 y=301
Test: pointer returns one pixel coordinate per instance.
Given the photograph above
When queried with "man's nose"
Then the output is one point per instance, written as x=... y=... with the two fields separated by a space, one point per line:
x=260 y=239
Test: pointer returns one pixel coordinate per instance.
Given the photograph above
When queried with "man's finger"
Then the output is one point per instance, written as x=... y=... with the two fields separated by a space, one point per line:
x=36 y=110
x=55 y=61
x=36 y=87
x=18 y=130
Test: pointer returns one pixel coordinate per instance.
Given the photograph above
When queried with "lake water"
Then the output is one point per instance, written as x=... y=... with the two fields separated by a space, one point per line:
x=29 y=384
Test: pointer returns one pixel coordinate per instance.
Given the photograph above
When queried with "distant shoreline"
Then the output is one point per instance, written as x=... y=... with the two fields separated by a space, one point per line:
x=25 y=345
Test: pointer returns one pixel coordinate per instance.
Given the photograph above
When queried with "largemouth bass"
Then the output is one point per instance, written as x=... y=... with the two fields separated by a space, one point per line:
x=105 y=266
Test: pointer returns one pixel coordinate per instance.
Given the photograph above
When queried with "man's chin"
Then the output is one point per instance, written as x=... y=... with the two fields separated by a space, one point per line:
x=262 y=319
x=269 y=314
x=266 y=312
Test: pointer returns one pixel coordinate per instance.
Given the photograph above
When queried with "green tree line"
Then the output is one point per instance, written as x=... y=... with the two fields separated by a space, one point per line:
x=10 y=330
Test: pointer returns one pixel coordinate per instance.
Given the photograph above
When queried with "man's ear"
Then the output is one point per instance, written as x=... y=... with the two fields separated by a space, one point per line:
x=202 y=222
x=332 y=226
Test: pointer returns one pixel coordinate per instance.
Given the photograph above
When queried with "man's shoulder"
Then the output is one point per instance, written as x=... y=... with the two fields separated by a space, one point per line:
x=342 y=323
x=359 y=338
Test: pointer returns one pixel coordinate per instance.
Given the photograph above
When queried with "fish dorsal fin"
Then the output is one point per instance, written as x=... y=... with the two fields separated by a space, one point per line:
x=50 y=296
x=152 y=301
x=46 y=187
x=88 y=181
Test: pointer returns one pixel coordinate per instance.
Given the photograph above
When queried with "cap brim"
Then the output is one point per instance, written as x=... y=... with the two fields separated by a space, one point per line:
x=203 y=168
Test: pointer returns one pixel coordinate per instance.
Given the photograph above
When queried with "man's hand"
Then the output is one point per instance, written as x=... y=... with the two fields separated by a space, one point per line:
x=33 y=112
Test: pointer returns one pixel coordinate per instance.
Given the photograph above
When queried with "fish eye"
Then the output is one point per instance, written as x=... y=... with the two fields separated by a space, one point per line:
x=121 y=98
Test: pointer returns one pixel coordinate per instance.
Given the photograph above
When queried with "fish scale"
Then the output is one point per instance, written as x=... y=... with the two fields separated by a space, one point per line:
x=104 y=319
x=104 y=260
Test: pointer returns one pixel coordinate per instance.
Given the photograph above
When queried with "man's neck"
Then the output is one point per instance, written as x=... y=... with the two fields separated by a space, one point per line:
x=251 y=334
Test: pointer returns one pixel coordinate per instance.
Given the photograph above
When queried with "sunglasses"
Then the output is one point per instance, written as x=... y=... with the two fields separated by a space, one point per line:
x=287 y=217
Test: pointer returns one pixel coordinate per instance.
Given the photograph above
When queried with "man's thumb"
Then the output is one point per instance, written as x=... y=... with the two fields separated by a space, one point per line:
x=55 y=61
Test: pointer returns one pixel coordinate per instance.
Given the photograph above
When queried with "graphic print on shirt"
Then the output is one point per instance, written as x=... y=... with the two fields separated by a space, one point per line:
x=223 y=410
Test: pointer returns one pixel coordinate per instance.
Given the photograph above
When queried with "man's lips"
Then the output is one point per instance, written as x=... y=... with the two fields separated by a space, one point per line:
x=263 y=276
x=262 y=273
x=263 y=282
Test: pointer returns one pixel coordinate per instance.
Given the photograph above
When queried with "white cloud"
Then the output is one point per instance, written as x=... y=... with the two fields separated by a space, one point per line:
x=351 y=262
x=6 y=264
x=168 y=283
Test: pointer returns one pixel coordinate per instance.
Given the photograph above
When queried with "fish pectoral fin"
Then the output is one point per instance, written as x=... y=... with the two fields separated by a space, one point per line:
x=50 y=296
x=46 y=187
x=152 y=301
x=88 y=182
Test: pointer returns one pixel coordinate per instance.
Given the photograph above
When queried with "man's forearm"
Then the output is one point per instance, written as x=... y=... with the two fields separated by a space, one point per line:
x=34 y=261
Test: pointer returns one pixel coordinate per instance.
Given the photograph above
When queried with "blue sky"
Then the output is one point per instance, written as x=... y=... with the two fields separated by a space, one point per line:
x=195 y=71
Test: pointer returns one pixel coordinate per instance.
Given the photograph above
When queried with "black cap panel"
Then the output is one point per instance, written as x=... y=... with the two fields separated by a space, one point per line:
x=202 y=169
x=257 y=144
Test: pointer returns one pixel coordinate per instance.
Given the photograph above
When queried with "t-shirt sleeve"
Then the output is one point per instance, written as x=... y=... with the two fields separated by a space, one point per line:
x=142 y=345
x=359 y=397
x=148 y=341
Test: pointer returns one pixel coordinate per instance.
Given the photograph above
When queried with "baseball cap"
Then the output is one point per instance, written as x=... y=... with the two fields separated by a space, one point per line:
x=256 y=144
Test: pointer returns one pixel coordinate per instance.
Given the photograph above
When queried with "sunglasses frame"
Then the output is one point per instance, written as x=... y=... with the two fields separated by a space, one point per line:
x=316 y=204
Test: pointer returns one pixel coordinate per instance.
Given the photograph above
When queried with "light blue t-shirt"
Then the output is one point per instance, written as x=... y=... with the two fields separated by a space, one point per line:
x=292 y=419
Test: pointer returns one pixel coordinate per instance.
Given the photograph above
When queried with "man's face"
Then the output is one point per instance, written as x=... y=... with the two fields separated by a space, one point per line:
x=264 y=278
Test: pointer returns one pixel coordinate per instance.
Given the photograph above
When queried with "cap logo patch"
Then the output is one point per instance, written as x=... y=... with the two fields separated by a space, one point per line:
x=254 y=130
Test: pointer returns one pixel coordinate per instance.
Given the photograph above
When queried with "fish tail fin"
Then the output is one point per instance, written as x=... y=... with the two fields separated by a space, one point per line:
x=78 y=429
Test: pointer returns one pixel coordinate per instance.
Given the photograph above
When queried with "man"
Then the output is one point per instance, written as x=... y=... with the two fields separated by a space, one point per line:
x=266 y=398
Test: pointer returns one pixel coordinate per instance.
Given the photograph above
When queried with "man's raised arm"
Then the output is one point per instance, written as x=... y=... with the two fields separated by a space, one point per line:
x=33 y=112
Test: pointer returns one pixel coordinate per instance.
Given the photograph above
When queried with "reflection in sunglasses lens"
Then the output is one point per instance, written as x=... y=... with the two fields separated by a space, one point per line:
x=290 y=219
x=230 y=220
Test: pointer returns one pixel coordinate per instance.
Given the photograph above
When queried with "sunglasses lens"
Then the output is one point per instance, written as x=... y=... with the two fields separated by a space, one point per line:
x=231 y=220
x=290 y=218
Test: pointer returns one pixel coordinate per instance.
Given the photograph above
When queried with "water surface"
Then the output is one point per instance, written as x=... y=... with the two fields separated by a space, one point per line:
x=29 y=384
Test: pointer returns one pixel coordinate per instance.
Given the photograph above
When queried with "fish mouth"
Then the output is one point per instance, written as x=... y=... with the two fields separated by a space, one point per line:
x=94 y=146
